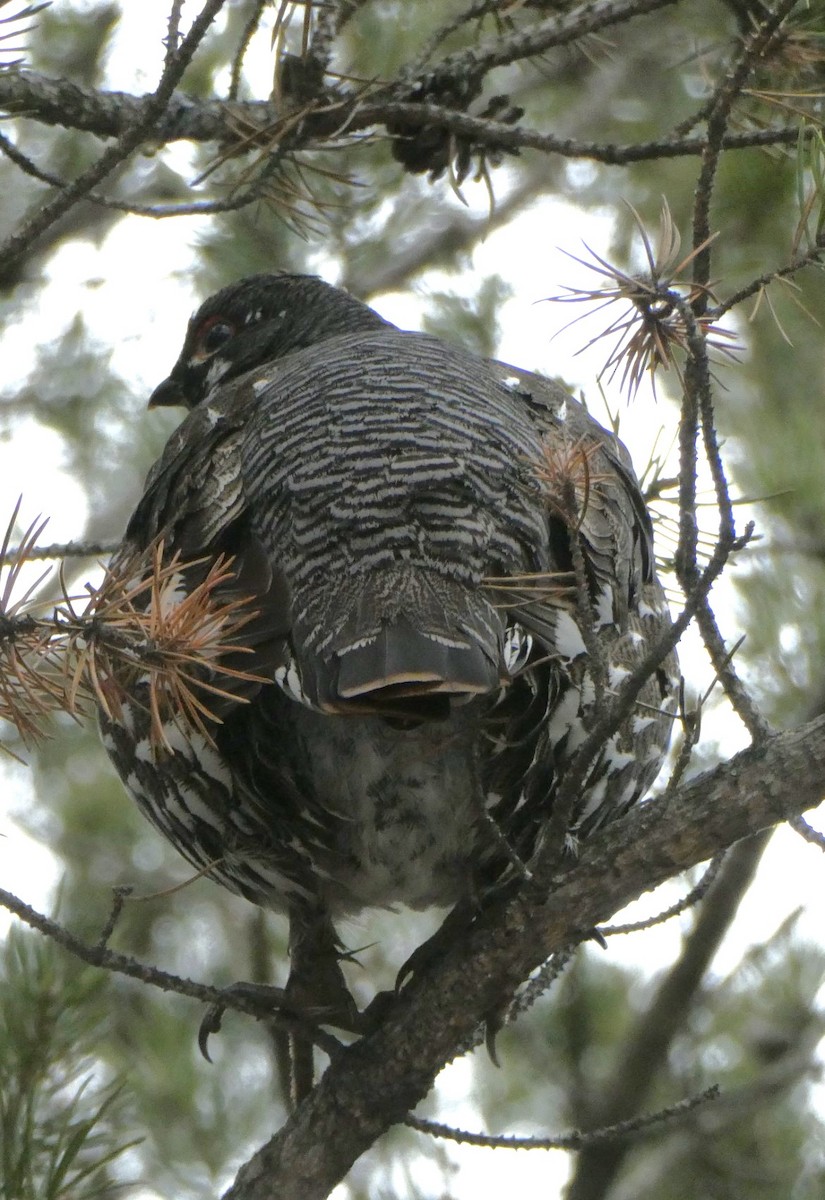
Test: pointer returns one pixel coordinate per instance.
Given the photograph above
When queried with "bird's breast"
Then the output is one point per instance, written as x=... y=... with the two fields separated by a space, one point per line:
x=400 y=808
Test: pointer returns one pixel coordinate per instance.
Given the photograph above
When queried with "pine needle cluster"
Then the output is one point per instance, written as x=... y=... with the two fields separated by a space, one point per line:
x=651 y=329
x=136 y=628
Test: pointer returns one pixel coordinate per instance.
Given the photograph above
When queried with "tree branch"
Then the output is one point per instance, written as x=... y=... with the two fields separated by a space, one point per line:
x=133 y=134
x=558 y=30
x=109 y=114
x=717 y=125
x=101 y=956
x=621 y=1131
x=380 y=1078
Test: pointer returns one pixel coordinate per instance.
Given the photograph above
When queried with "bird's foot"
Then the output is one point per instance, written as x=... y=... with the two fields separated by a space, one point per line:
x=453 y=925
x=265 y=1002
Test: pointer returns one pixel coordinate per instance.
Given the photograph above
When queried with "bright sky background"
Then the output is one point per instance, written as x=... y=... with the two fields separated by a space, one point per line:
x=135 y=295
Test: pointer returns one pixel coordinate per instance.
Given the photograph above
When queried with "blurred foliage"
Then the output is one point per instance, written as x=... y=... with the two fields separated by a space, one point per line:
x=62 y=1113
x=384 y=230
x=469 y=321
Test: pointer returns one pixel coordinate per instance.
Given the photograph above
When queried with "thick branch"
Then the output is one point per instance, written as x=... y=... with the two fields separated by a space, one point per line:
x=109 y=114
x=385 y=1075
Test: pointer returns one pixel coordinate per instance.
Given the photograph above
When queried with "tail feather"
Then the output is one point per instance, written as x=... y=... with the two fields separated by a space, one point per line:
x=406 y=661
x=395 y=639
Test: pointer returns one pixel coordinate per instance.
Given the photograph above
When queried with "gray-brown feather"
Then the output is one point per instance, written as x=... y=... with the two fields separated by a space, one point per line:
x=419 y=615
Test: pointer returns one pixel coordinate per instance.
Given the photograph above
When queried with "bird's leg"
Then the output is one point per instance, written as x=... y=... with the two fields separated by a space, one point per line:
x=316 y=994
x=316 y=989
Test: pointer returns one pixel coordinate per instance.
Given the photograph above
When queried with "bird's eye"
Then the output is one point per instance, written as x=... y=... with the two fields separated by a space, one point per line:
x=213 y=334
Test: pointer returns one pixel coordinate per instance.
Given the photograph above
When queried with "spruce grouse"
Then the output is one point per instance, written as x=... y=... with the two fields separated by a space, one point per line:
x=451 y=573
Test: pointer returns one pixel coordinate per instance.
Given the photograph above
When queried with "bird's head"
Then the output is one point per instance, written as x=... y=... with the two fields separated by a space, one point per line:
x=254 y=321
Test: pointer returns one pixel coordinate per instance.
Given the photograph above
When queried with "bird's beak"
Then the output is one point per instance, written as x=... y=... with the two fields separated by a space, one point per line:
x=167 y=394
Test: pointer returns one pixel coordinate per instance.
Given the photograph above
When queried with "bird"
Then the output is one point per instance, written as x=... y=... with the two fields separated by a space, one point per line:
x=448 y=571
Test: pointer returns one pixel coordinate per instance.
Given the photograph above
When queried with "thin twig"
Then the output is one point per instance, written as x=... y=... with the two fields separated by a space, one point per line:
x=535 y=39
x=695 y=894
x=119 y=898
x=811 y=258
x=645 y=1048
x=62 y=550
x=247 y=34
x=621 y=1130
x=122 y=964
x=238 y=200
x=172 y=39
x=541 y=983
x=133 y=135
x=698 y=383
x=800 y=825
x=717 y=123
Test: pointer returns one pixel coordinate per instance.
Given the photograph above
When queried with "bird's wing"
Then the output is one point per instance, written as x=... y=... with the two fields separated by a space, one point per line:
x=586 y=477
x=194 y=503
x=590 y=632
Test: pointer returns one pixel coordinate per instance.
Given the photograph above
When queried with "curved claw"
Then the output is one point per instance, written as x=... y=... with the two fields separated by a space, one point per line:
x=211 y=1023
x=596 y=935
x=260 y=1000
x=493 y=1025
x=454 y=924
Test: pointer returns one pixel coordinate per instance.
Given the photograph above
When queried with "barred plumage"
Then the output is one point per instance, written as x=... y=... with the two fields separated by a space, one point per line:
x=408 y=519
